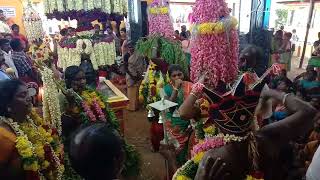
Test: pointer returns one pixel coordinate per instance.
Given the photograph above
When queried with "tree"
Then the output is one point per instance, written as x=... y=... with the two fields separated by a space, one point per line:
x=282 y=15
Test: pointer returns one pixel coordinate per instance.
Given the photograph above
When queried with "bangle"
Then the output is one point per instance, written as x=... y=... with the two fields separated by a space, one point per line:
x=284 y=98
x=197 y=87
x=193 y=94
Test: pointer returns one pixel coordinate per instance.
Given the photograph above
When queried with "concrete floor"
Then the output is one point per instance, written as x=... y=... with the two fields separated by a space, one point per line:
x=137 y=133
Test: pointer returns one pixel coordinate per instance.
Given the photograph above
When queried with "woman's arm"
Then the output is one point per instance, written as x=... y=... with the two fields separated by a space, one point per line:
x=188 y=110
x=299 y=122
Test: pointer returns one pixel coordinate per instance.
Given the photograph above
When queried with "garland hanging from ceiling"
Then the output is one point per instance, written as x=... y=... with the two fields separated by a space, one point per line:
x=86 y=9
x=33 y=24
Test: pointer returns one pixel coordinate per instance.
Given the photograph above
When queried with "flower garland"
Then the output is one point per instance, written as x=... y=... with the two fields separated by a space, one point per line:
x=94 y=9
x=85 y=33
x=41 y=53
x=97 y=106
x=35 y=146
x=102 y=53
x=51 y=105
x=189 y=169
x=215 y=47
x=214 y=27
x=33 y=24
x=160 y=20
x=105 y=53
x=149 y=90
x=159 y=10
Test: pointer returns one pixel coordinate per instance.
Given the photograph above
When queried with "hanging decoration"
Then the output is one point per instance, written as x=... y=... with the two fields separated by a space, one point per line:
x=51 y=106
x=159 y=19
x=88 y=9
x=214 y=46
x=32 y=23
x=153 y=82
x=101 y=52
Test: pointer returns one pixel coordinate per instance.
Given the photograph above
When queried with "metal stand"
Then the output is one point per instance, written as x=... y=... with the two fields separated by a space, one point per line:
x=162 y=106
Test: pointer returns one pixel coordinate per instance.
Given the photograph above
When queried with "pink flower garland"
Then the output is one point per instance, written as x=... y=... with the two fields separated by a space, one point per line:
x=160 y=23
x=214 y=54
x=99 y=111
x=88 y=111
x=207 y=145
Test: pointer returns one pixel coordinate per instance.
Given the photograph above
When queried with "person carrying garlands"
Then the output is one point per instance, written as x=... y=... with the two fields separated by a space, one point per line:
x=30 y=149
x=82 y=106
x=242 y=150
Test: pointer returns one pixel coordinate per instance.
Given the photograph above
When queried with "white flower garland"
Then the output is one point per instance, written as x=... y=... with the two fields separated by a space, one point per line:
x=106 y=4
x=70 y=5
x=98 y=4
x=53 y=5
x=79 y=5
x=60 y=5
x=90 y=5
x=74 y=58
x=86 y=33
x=51 y=105
x=46 y=5
x=33 y=24
x=101 y=54
x=117 y=6
x=105 y=53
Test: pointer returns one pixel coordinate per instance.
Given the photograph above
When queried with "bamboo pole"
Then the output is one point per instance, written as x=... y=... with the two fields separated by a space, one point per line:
x=311 y=8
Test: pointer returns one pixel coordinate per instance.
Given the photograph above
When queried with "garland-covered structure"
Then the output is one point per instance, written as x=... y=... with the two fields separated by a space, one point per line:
x=161 y=48
x=100 y=50
x=160 y=43
x=214 y=48
x=86 y=9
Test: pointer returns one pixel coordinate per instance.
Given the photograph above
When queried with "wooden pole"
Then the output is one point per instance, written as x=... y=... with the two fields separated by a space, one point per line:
x=311 y=7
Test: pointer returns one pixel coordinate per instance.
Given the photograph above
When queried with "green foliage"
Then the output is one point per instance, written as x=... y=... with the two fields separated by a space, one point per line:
x=169 y=50
x=282 y=15
x=133 y=162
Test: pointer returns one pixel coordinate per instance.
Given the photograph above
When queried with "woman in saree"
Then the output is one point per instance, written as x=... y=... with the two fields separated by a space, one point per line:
x=176 y=91
x=286 y=51
x=30 y=149
x=84 y=106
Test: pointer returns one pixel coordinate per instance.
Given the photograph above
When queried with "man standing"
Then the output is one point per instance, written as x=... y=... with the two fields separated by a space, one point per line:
x=316 y=46
x=294 y=39
x=183 y=34
x=22 y=62
x=135 y=67
x=6 y=51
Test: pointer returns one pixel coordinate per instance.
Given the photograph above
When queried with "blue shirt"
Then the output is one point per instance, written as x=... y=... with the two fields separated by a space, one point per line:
x=3 y=76
x=309 y=84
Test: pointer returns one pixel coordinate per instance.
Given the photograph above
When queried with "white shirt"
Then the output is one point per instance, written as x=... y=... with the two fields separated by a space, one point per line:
x=313 y=172
x=9 y=62
x=4 y=28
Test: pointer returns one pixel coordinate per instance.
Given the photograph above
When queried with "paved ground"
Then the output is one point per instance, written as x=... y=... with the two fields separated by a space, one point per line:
x=137 y=133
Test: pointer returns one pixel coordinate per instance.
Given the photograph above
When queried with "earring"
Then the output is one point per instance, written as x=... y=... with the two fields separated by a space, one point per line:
x=9 y=109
